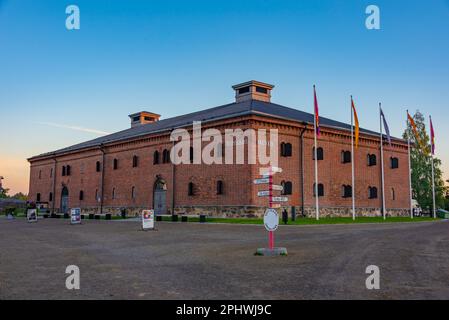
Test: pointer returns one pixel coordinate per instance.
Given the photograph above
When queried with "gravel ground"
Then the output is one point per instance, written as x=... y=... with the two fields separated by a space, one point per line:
x=215 y=261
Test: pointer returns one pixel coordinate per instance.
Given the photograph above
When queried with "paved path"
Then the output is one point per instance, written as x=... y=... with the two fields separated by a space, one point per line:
x=212 y=261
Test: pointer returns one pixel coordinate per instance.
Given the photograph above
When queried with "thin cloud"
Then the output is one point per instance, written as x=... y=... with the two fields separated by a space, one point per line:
x=76 y=128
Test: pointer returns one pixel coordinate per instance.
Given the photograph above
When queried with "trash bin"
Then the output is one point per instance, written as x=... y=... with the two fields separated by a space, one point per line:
x=91 y=216
x=108 y=216
x=158 y=218
x=293 y=213
x=184 y=219
x=202 y=218
x=285 y=216
x=174 y=217
x=123 y=213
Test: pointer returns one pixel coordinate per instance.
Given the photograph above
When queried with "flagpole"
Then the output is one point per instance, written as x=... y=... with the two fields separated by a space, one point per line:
x=433 y=175
x=382 y=162
x=352 y=161
x=317 y=204
x=410 y=168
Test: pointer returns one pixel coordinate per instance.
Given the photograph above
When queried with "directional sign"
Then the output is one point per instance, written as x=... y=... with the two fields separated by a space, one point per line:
x=271 y=219
x=277 y=187
x=262 y=181
x=265 y=171
x=279 y=199
x=264 y=193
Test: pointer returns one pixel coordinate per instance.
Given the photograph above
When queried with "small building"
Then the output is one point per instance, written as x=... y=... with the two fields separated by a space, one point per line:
x=132 y=168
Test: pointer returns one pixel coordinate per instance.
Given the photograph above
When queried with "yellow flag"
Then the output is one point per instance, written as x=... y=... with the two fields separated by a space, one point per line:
x=357 y=127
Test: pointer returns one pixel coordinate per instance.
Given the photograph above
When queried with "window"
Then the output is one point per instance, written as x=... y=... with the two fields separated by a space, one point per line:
x=113 y=193
x=346 y=191
x=346 y=156
x=156 y=157
x=286 y=149
x=243 y=90
x=38 y=197
x=40 y=174
x=166 y=156
x=81 y=195
x=372 y=192
x=98 y=166
x=372 y=160
x=50 y=197
x=219 y=187
x=115 y=164
x=63 y=171
x=287 y=187
x=191 y=190
x=133 y=192
x=191 y=154
x=394 y=163
x=320 y=190
x=135 y=161
x=135 y=119
x=319 y=153
x=261 y=90
x=393 y=194
x=68 y=170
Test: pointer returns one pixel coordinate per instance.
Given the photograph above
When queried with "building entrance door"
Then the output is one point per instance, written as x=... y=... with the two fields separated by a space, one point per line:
x=64 y=200
x=159 y=197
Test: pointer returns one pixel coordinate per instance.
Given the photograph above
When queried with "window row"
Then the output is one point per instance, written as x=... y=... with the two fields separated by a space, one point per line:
x=346 y=191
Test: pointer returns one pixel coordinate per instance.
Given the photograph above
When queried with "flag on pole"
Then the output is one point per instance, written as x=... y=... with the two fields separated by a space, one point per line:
x=415 y=130
x=387 y=129
x=432 y=137
x=357 y=127
x=317 y=114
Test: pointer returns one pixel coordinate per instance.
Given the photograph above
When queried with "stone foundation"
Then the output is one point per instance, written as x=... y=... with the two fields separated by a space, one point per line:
x=253 y=211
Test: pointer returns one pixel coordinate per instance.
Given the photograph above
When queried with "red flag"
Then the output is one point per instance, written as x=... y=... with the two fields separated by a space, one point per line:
x=317 y=114
x=432 y=136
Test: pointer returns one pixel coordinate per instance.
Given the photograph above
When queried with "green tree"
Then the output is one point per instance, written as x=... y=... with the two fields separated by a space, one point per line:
x=422 y=167
x=4 y=193
x=20 y=196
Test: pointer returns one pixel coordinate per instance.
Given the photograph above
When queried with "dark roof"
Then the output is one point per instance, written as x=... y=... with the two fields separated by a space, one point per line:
x=249 y=107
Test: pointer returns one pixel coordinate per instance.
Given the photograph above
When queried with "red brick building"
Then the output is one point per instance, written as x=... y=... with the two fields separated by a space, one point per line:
x=132 y=169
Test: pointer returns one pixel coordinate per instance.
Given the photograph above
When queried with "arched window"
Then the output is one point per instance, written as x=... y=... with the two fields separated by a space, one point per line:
x=166 y=156
x=38 y=197
x=115 y=164
x=191 y=188
x=113 y=193
x=346 y=191
x=219 y=187
x=286 y=149
x=191 y=154
x=81 y=195
x=51 y=172
x=372 y=192
x=98 y=166
x=287 y=187
x=50 y=197
x=156 y=157
x=319 y=153
x=135 y=161
x=372 y=160
x=393 y=194
x=68 y=169
x=346 y=156
x=63 y=171
x=133 y=192
x=394 y=163
x=320 y=190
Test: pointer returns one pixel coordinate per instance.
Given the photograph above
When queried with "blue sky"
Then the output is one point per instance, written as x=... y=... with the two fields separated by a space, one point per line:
x=174 y=57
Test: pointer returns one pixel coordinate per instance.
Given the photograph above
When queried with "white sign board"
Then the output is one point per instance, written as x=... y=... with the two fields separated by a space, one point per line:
x=271 y=219
x=262 y=181
x=75 y=216
x=264 y=193
x=32 y=215
x=265 y=171
x=277 y=187
x=147 y=219
x=279 y=199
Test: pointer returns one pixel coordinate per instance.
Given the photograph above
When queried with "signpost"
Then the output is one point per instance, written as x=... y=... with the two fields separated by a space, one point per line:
x=75 y=216
x=32 y=215
x=147 y=220
x=271 y=217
